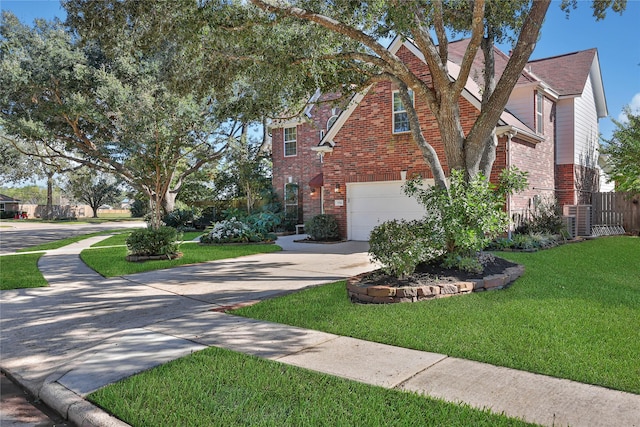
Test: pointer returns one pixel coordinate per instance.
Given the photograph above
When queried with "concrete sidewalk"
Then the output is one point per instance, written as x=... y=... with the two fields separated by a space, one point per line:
x=84 y=332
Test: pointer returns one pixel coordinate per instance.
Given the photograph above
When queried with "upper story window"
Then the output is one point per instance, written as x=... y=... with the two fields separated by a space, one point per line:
x=400 y=116
x=331 y=121
x=290 y=142
x=539 y=113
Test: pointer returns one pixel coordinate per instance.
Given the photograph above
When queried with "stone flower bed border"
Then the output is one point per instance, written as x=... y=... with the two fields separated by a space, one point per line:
x=359 y=292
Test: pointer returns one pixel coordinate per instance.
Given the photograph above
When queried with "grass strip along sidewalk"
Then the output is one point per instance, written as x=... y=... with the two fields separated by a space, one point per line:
x=574 y=314
x=111 y=262
x=20 y=271
x=217 y=387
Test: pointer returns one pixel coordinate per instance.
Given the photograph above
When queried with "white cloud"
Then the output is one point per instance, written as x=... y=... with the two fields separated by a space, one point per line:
x=634 y=105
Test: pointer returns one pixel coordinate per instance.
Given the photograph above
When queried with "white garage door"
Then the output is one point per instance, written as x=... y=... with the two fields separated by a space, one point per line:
x=372 y=203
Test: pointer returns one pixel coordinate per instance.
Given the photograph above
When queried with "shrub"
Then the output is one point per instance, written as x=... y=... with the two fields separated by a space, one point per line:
x=181 y=219
x=468 y=215
x=543 y=216
x=401 y=245
x=149 y=242
x=231 y=231
x=140 y=207
x=323 y=227
x=8 y=214
x=208 y=216
x=530 y=241
x=264 y=222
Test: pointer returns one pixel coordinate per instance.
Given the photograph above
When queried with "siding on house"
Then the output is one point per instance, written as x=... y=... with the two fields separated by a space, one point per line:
x=565 y=131
x=586 y=128
x=521 y=105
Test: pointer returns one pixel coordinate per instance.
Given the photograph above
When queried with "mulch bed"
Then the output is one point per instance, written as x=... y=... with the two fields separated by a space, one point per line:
x=433 y=273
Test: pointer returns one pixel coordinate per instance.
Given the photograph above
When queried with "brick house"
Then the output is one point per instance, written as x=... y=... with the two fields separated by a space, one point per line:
x=351 y=162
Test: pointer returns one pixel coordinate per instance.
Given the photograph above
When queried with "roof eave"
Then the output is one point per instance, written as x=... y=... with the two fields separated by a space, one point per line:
x=525 y=135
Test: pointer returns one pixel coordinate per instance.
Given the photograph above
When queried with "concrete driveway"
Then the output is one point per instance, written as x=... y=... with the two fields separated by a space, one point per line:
x=47 y=331
x=84 y=332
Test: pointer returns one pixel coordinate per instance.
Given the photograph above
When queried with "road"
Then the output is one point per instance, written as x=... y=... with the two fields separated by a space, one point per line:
x=16 y=234
x=19 y=408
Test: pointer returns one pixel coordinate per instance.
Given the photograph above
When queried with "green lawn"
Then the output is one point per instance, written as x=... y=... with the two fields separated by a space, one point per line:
x=575 y=314
x=120 y=238
x=217 y=387
x=20 y=271
x=111 y=262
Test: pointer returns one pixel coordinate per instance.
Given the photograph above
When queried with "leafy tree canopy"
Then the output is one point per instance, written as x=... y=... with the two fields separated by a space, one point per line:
x=290 y=48
x=93 y=189
x=121 y=114
x=623 y=150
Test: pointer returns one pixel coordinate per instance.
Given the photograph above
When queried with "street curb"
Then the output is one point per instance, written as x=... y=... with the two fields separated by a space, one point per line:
x=68 y=404
x=76 y=409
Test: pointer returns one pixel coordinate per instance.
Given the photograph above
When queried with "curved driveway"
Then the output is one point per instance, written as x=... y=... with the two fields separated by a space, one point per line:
x=84 y=332
x=74 y=331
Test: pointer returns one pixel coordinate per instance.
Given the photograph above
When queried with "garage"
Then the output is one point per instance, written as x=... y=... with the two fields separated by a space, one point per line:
x=372 y=203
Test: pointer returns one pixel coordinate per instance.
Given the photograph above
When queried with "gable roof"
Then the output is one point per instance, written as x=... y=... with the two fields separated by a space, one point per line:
x=459 y=47
x=471 y=93
x=568 y=75
x=4 y=198
x=565 y=74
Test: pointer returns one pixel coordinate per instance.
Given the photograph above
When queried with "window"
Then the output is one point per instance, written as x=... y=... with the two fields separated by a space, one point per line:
x=290 y=143
x=539 y=113
x=331 y=121
x=400 y=116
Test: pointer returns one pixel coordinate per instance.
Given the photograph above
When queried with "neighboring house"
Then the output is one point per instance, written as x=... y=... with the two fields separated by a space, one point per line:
x=8 y=204
x=353 y=163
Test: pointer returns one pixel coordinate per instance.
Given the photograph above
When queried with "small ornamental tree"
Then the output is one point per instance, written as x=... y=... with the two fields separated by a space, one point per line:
x=458 y=225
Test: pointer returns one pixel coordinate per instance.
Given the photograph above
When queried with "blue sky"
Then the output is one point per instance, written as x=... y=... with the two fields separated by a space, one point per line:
x=617 y=39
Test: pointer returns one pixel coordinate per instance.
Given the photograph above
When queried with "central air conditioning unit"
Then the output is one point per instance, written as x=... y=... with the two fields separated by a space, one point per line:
x=569 y=223
x=582 y=215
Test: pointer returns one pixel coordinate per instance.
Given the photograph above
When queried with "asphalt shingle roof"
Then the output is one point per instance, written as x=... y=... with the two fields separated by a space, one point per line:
x=566 y=74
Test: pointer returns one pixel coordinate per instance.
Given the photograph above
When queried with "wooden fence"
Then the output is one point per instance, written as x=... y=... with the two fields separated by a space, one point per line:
x=616 y=209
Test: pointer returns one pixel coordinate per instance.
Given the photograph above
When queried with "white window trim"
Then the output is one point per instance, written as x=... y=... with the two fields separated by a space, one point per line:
x=334 y=118
x=393 y=112
x=285 y=141
x=539 y=99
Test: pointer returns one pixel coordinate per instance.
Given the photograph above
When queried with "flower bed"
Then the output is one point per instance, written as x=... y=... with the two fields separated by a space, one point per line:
x=376 y=288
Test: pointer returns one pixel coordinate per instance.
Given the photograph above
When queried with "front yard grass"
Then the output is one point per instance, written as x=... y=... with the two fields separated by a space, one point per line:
x=120 y=239
x=20 y=271
x=574 y=314
x=111 y=261
x=217 y=387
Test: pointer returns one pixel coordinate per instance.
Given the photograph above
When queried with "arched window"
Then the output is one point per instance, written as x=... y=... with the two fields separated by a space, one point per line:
x=331 y=121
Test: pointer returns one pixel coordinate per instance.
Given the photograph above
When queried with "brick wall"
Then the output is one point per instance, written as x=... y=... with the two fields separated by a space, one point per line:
x=366 y=150
x=305 y=164
x=575 y=184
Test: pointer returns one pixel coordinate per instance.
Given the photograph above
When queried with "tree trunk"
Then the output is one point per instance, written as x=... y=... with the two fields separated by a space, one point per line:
x=95 y=210
x=169 y=201
x=49 y=209
x=489 y=150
